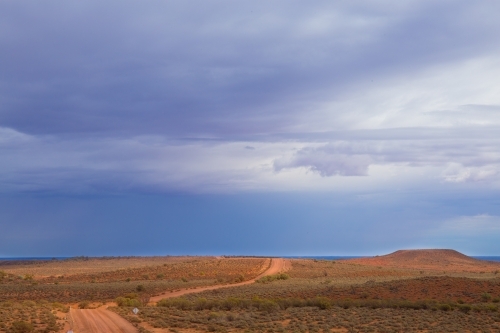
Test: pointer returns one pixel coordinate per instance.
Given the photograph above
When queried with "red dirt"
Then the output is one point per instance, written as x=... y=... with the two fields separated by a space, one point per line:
x=277 y=265
x=436 y=260
x=99 y=320
x=427 y=288
x=102 y=320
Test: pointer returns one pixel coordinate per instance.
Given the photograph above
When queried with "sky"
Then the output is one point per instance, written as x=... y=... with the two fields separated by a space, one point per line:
x=249 y=127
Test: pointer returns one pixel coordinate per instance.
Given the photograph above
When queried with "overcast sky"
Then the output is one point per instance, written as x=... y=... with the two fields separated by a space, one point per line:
x=249 y=127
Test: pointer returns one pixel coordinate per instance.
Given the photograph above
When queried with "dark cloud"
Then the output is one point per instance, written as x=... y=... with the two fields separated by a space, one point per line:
x=102 y=102
x=214 y=69
x=122 y=95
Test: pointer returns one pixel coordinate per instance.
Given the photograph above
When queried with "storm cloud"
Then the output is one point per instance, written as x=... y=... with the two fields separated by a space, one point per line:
x=221 y=97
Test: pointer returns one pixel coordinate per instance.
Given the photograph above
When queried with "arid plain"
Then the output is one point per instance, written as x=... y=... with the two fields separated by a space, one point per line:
x=406 y=291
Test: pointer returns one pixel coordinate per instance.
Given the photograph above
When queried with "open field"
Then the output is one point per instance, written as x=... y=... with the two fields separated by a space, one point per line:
x=106 y=285
x=408 y=291
x=30 y=316
x=86 y=265
x=431 y=260
x=275 y=266
x=313 y=319
x=131 y=269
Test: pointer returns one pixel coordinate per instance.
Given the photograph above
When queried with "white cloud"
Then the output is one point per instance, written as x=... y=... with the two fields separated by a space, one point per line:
x=456 y=94
x=153 y=163
x=457 y=173
x=328 y=160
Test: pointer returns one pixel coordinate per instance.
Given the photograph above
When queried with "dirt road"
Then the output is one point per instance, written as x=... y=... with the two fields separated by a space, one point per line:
x=277 y=265
x=99 y=320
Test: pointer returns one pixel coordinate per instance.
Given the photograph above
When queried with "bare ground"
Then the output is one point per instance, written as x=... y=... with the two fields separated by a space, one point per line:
x=276 y=265
x=430 y=260
x=102 y=320
x=99 y=320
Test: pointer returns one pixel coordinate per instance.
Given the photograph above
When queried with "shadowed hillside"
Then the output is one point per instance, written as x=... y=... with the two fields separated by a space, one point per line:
x=432 y=259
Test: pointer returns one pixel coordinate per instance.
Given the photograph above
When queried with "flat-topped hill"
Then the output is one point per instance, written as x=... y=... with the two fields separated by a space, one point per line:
x=430 y=259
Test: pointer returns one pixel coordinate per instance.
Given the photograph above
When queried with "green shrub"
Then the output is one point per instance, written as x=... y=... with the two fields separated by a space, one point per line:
x=485 y=297
x=465 y=308
x=271 y=304
x=30 y=304
x=231 y=303
x=179 y=303
x=271 y=278
x=21 y=327
x=445 y=307
x=322 y=303
x=267 y=306
x=140 y=288
x=492 y=307
x=61 y=307
x=131 y=296
x=125 y=301
x=83 y=305
x=6 y=304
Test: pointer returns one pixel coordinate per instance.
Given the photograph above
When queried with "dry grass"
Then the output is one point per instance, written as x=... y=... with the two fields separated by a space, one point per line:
x=107 y=285
x=355 y=298
x=312 y=319
x=431 y=260
x=108 y=270
x=39 y=316
x=316 y=295
x=85 y=265
x=310 y=278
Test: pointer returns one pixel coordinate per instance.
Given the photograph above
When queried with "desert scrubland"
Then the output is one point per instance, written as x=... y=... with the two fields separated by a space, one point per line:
x=407 y=291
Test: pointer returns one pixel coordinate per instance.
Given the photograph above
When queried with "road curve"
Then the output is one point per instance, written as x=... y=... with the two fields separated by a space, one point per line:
x=277 y=265
x=99 y=320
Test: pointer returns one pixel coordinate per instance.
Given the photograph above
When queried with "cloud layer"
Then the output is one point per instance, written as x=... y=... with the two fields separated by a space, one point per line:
x=225 y=97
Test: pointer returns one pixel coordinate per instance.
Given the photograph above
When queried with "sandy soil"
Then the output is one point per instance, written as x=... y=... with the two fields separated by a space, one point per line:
x=277 y=265
x=99 y=320
x=436 y=260
x=102 y=320
x=45 y=268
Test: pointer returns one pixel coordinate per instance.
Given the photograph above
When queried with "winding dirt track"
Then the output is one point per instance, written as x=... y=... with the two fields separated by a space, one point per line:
x=277 y=265
x=101 y=320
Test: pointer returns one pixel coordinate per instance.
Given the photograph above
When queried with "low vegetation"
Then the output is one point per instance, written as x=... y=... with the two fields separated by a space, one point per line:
x=106 y=286
x=313 y=296
x=113 y=270
x=29 y=316
x=271 y=278
x=313 y=318
x=320 y=302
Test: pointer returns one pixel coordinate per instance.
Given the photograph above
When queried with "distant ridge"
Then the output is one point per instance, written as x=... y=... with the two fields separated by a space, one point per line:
x=432 y=259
